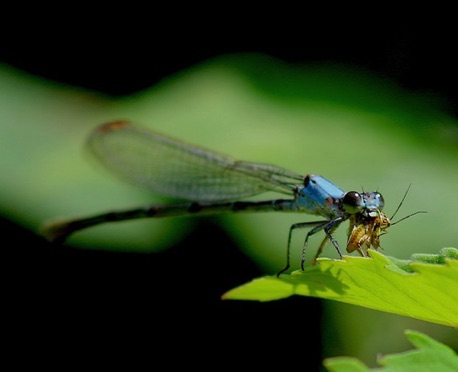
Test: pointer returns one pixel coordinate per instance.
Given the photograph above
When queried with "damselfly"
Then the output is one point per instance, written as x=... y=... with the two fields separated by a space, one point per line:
x=214 y=183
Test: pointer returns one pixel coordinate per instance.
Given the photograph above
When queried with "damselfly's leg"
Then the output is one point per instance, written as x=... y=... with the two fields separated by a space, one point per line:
x=328 y=229
x=320 y=250
x=319 y=225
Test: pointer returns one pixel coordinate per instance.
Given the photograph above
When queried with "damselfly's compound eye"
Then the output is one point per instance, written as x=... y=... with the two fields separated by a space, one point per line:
x=379 y=198
x=352 y=202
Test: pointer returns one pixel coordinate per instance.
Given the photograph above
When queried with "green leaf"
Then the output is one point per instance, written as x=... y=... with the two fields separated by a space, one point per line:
x=429 y=356
x=345 y=364
x=424 y=288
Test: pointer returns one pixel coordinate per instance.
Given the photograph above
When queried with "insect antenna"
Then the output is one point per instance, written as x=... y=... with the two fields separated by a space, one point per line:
x=399 y=206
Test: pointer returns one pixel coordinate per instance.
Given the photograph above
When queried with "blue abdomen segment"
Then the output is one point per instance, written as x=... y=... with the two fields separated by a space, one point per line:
x=318 y=196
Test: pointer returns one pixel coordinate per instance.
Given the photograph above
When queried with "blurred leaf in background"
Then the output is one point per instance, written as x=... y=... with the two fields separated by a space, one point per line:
x=357 y=130
x=429 y=355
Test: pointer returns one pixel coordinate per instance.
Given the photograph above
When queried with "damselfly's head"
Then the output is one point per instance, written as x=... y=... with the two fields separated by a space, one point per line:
x=369 y=204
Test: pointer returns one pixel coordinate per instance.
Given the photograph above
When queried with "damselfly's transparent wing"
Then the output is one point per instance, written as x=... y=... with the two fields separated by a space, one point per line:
x=173 y=168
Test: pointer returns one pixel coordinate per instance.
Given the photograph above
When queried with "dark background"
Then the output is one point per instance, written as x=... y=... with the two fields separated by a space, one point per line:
x=122 y=56
x=135 y=308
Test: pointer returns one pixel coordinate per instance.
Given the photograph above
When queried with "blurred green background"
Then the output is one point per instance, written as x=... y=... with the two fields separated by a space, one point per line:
x=359 y=129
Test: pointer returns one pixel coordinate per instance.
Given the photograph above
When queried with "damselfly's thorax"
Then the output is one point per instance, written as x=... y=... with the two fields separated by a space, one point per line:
x=319 y=196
